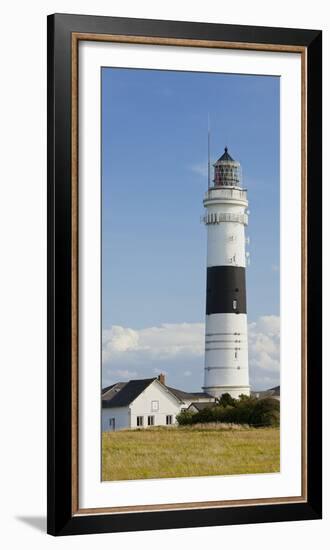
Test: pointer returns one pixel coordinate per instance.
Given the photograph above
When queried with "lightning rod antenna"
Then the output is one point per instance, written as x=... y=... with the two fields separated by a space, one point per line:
x=208 y=151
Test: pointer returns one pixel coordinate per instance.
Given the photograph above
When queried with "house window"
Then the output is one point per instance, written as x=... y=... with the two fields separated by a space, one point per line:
x=139 y=421
x=169 y=419
x=154 y=406
x=151 y=420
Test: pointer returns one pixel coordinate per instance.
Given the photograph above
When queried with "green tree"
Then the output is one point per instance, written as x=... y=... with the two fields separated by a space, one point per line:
x=227 y=400
x=266 y=412
x=244 y=397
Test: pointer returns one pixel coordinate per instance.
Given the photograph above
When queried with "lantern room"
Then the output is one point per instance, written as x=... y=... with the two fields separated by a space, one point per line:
x=227 y=171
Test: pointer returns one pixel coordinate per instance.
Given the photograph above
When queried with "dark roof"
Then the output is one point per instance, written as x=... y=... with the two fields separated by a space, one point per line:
x=272 y=392
x=200 y=406
x=187 y=395
x=109 y=392
x=225 y=156
x=104 y=390
x=122 y=394
x=276 y=390
x=129 y=392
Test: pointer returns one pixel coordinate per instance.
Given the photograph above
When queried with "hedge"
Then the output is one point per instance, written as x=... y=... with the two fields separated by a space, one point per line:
x=246 y=410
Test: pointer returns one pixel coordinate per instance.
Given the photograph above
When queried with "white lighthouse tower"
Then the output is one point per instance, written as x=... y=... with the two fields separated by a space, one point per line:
x=226 y=338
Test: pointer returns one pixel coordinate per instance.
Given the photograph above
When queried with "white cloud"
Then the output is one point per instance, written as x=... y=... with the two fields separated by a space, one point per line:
x=173 y=349
x=200 y=169
x=264 y=351
x=177 y=350
x=119 y=339
x=167 y=340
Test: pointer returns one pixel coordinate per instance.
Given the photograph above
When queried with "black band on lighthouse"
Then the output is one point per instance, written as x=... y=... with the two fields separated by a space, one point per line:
x=225 y=290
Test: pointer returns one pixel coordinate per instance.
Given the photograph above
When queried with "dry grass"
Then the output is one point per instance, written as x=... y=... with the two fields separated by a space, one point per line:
x=199 y=450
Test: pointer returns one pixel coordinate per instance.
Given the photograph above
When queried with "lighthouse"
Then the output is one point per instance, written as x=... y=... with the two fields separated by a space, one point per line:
x=226 y=336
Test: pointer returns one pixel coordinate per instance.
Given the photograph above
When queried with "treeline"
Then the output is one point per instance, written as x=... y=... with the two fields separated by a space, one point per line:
x=245 y=410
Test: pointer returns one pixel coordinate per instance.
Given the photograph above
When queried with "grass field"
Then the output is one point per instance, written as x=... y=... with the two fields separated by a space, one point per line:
x=200 y=450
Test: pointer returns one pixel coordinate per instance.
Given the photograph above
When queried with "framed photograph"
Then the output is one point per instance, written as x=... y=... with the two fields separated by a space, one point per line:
x=184 y=274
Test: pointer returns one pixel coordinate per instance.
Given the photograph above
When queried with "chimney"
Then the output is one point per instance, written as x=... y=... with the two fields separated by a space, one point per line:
x=161 y=378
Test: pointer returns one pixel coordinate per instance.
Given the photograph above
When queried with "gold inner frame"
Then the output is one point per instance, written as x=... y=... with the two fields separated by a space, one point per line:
x=76 y=37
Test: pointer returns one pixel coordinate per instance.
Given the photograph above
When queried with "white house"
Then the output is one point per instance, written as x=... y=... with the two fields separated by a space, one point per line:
x=143 y=403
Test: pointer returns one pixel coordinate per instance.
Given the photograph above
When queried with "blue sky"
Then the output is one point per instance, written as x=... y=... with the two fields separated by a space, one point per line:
x=154 y=175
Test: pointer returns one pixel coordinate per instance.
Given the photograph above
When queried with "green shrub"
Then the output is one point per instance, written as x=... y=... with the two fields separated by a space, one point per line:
x=266 y=412
x=185 y=418
x=227 y=400
x=205 y=415
x=245 y=410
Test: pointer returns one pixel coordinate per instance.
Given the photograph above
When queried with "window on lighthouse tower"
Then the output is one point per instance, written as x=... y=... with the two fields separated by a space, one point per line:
x=234 y=304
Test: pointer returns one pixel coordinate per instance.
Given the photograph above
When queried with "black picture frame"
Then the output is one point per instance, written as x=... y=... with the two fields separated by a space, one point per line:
x=61 y=518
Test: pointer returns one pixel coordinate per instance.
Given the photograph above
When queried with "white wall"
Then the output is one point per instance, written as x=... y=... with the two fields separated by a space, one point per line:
x=225 y=240
x=121 y=416
x=23 y=283
x=226 y=324
x=142 y=405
